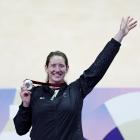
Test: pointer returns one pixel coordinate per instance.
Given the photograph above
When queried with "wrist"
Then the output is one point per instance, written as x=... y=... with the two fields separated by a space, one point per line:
x=119 y=36
x=25 y=104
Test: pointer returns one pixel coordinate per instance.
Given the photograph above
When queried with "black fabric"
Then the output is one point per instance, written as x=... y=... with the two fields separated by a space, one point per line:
x=60 y=119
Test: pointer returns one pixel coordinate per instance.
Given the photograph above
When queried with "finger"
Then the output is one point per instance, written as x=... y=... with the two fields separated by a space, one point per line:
x=22 y=88
x=127 y=20
x=133 y=23
x=130 y=19
x=130 y=28
x=123 y=23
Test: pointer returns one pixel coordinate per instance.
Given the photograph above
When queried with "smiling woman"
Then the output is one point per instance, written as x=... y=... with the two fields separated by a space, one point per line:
x=56 y=67
x=55 y=113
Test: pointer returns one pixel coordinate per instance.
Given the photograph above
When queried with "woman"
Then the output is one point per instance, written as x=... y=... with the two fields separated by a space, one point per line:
x=54 y=110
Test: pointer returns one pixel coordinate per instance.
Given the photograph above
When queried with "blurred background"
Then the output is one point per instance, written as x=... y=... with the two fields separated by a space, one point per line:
x=30 y=29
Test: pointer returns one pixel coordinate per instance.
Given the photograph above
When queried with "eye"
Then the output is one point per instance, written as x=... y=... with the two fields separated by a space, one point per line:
x=61 y=65
x=53 y=65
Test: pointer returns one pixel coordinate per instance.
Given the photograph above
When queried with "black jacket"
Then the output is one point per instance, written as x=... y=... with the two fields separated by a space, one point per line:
x=60 y=119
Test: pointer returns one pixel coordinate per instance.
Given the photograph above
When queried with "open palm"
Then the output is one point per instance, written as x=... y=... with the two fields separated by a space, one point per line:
x=127 y=24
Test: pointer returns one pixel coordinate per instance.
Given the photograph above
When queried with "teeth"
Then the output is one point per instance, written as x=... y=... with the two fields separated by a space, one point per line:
x=58 y=74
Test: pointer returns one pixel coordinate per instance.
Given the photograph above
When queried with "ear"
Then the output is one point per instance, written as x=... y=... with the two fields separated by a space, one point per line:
x=46 y=68
x=67 y=68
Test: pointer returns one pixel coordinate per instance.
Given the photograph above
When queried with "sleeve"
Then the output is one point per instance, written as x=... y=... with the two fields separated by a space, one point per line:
x=96 y=71
x=22 y=120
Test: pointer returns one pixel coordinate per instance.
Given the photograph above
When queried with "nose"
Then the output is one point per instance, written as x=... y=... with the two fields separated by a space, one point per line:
x=57 y=68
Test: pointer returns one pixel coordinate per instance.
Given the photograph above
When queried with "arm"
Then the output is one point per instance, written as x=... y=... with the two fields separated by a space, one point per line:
x=22 y=120
x=96 y=71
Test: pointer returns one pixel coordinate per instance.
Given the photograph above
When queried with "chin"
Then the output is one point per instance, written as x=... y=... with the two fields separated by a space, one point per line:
x=58 y=81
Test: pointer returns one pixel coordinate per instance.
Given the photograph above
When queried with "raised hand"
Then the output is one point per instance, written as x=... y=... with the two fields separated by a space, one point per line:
x=127 y=24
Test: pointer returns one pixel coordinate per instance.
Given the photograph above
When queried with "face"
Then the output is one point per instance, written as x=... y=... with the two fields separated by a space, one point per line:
x=56 y=69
